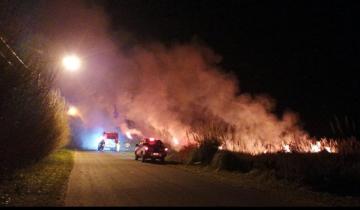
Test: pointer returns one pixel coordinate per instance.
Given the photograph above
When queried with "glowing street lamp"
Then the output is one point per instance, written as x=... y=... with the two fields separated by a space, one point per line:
x=73 y=111
x=71 y=63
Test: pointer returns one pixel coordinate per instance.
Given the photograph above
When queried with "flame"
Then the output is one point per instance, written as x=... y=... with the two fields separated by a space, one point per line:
x=128 y=135
x=286 y=148
x=130 y=132
x=175 y=141
x=315 y=148
x=299 y=144
x=302 y=144
x=328 y=149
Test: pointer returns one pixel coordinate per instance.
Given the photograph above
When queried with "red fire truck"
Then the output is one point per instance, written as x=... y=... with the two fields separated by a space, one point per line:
x=109 y=140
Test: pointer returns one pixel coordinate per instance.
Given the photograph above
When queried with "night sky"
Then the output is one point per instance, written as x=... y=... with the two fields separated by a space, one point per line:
x=305 y=54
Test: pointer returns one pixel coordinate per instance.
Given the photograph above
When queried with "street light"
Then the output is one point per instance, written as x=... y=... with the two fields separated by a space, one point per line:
x=72 y=63
x=73 y=111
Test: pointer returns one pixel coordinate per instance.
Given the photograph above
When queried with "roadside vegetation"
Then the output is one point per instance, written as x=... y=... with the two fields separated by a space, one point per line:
x=33 y=120
x=42 y=184
x=335 y=174
x=328 y=179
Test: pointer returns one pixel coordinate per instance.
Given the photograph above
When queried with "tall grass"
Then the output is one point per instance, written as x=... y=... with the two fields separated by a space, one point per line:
x=336 y=173
x=33 y=121
x=208 y=136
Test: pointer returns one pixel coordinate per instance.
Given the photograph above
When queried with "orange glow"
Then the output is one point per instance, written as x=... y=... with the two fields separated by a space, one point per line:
x=315 y=148
x=286 y=148
x=175 y=141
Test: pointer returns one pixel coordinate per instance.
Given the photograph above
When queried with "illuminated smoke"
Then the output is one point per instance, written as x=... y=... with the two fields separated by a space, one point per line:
x=177 y=93
x=130 y=132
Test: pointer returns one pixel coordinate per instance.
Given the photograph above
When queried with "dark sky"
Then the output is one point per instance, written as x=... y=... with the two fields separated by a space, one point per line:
x=305 y=54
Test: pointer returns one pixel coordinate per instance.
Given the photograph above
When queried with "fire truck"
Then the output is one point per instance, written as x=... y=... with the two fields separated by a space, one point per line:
x=110 y=140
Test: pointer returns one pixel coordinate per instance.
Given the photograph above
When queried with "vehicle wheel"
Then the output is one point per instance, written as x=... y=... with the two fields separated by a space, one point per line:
x=162 y=160
x=136 y=157
x=143 y=158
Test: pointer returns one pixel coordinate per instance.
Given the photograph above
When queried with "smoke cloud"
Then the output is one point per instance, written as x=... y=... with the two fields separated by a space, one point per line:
x=175 y=92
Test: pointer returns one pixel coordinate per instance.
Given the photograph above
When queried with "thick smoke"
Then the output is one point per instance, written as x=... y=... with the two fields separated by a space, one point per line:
x=178 y=93
x=180 y=89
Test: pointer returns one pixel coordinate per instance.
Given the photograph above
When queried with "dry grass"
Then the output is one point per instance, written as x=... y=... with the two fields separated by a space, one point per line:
x=42 y=184
x=338 y=174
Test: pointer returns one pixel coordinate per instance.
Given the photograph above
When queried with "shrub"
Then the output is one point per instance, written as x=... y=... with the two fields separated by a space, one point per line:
x=185 y=155
x=33 y=121
x=206 y=151
x=226 y=160
x=335 y=173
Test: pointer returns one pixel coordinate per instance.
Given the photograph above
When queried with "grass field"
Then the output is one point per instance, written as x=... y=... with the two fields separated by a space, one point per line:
x=43 y=184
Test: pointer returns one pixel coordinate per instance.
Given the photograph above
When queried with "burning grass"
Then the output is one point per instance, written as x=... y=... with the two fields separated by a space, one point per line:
x=337 y=173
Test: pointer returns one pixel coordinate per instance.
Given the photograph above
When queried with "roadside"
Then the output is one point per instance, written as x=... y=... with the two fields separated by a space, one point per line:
x=43 y=184
x=267 y=182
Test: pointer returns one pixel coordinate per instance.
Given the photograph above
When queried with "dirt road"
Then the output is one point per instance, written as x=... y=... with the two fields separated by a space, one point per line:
x=115 y=179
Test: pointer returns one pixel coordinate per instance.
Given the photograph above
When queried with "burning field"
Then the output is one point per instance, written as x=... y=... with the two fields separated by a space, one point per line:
x=179 y=95
x=177 y=92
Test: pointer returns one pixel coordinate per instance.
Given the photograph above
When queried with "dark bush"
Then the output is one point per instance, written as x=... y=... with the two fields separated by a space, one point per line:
x=185 y=155
x=206 y=151
x=334 y=173
x=33 y=121
x=232 y=161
